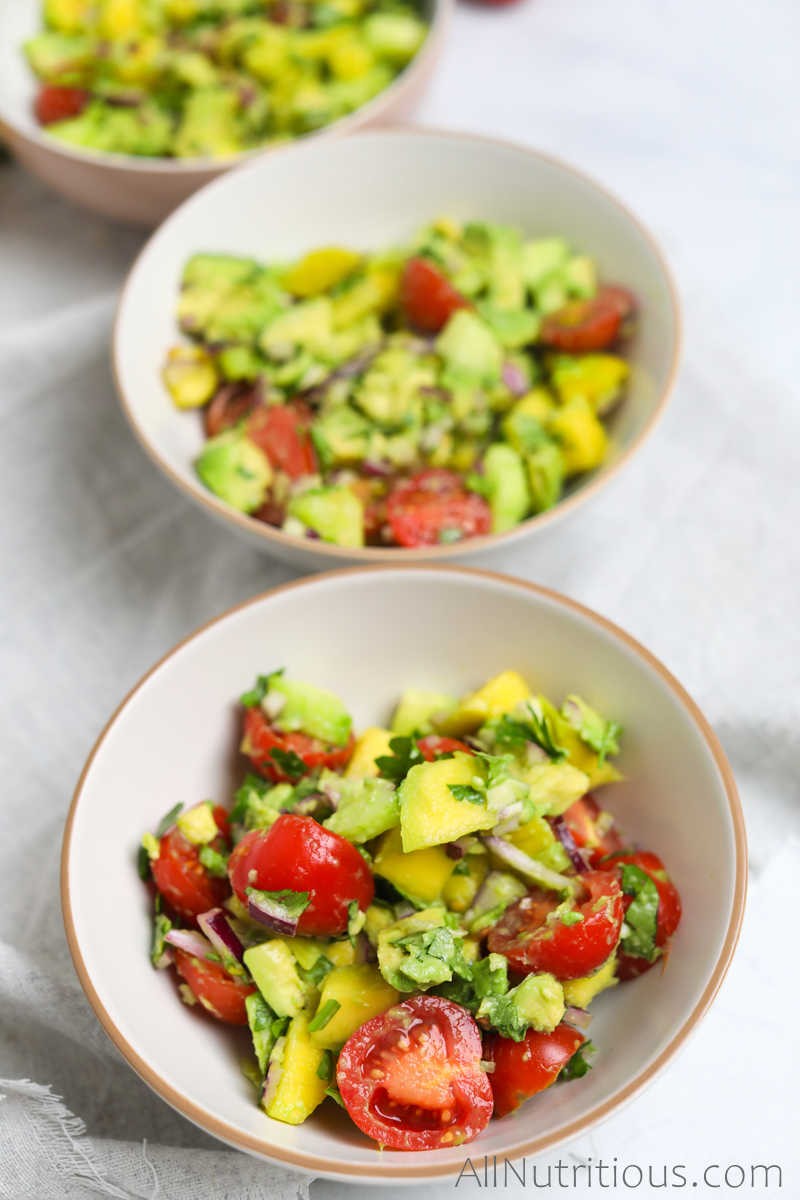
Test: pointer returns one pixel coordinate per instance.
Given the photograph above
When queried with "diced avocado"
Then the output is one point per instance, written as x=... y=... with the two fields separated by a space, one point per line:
x=579 y=753
x=60 y=58
x=525 y=426
x=320 y=270
x=507 y=486
x=258 y=803
x=421 y=951
x=306 y=325
x=390 y=391
x=413 y=713
x=143 y=130
x=335 y=513
x=551 y=295
x=296 y=1080
x=374 y=292
x=537 y=839
x=580 y=277
x=372 y=744
x=190 y=376
x=341 y=436
x=594 y=729
x=543 y=257
x=513 y=328
x=311 y=709
x=376 y=918
x=394 y=36
x=545 y=466
x=274 y=971
x=308 y=951
x=583 y=439
x=217 y=271
x=596 y=377
x=198 y=825
x=536 y=1003
x=209 y=125
x=240 y=362
x=366 y=808
x=68 y=16
x=420 y=875
x=462 y=886
x=470 y=350
x=499 y=890
x=261 y=1020
x=554 y=786
x=242 y=311
x=431 y=810
x=497 y=696
x=266 y=52
x=581 y=992
x=361 y=993
x=506 y=276
x=235 y=469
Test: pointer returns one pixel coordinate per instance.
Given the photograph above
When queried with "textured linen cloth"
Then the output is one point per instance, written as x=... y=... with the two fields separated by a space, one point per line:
x=688 y=112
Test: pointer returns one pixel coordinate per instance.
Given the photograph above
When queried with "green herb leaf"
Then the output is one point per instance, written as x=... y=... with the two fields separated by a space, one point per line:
x=578 y=1065
x=257 y=693
x=533 y=727
x=143 y=862
x=405 y=755
x=215 y=863
x=335 y=1095
x=571 y=917
x=293 y=903
x=464 y=791
x=324 y=1015
x=290 y=763
x=600 y=735
x=317 y=973
x=325 y=1068
x=168 y=820
x=641 y=919
x=158 y=945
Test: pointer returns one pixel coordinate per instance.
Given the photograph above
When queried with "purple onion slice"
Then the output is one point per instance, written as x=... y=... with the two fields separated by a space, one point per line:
x=514 y=378
x=578 y=1018
x=190 y=941
x=528 y=868
x=279 y=911
x=219 y=931
x=577 y=857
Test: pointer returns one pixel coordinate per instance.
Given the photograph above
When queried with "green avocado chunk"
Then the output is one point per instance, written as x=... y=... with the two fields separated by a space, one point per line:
x=274 y=971
x=235 y=469
x=507 y=486
x=421 y=951
x=335 y=513
x=309 y=709
x=536 y=1003
x=365 y=808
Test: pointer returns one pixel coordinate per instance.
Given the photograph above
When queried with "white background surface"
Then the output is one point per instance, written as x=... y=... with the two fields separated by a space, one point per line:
x=689 y=112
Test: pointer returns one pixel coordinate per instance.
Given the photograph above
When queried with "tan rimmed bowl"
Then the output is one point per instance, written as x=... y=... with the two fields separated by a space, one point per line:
x=367 y=634
x=142 y=191
x=371 y=191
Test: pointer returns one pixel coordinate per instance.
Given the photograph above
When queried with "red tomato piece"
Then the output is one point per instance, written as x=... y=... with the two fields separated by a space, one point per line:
x=583 y=325
x=411 y=1078
x=261 y=738
x=427 y=297
x=522 y=1069
x=433 y=507
x=669 y=909
x=582 y=821
x=55 y=103
x=281 y=432
x=218 y=992
x=533 y=942
x=230 y=405
x=180 y=877
x=298 y=855
x=432 y=747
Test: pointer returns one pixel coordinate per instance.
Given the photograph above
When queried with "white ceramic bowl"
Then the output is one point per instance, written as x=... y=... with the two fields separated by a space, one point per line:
x=142 y=191
x=376 y=190
x=351 y=631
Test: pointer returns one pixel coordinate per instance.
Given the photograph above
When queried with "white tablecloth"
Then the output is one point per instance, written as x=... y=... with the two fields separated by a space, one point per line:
x=688 y=111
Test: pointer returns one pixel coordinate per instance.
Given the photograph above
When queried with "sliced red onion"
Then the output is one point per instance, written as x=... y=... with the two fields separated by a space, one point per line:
x=438 y=393
x=332 y=792
x=311 y=804
x=190 y=941
x=364 y=951
x=514 y=378
x=273 y=704
x=577 y=857
x=273 y=914
x=219 y=931
x=404 y=909
x=376 y=469
x=579 y=1018
x=528 y=868
x=454 y=850
x=273 y=1075
x=312 y=535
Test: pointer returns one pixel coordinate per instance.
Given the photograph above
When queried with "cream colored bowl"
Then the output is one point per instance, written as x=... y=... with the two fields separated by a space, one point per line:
x=368 y=634
x=372 y=191
x=142 y=191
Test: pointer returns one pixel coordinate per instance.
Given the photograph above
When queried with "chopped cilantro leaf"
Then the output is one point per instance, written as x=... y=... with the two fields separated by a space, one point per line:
x=215 y=863
x=578 y=1065
x=143 y=862
x=534 y=727
x=600 y=735
x=257 y=693
x=293 y=904
x=334 y=1094
x=317 y=973
x=168 y=820
x=464 y=791
x=405 y=755
x=641 y=919
x=325 y=1068
x=324 y=1015
x=290 y=763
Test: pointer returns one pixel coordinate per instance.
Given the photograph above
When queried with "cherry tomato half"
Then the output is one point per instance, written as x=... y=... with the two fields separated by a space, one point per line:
x=261 y=738
x=229 y=406
x=218 y=992
x=588 y=324
x=427 y=297
x=433 y=746
x=298 y=855
x=411 y=1078
x=55 y=103
x=582 y=821
x=521 y=1069
x=669 y=909
x=181 y=879
x=282 y=433
x=434 y=507
x=531 y=942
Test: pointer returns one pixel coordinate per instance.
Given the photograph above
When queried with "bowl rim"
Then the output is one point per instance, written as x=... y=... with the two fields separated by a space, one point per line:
x=371 y=112
x=271 y=535
x=417 y=1171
